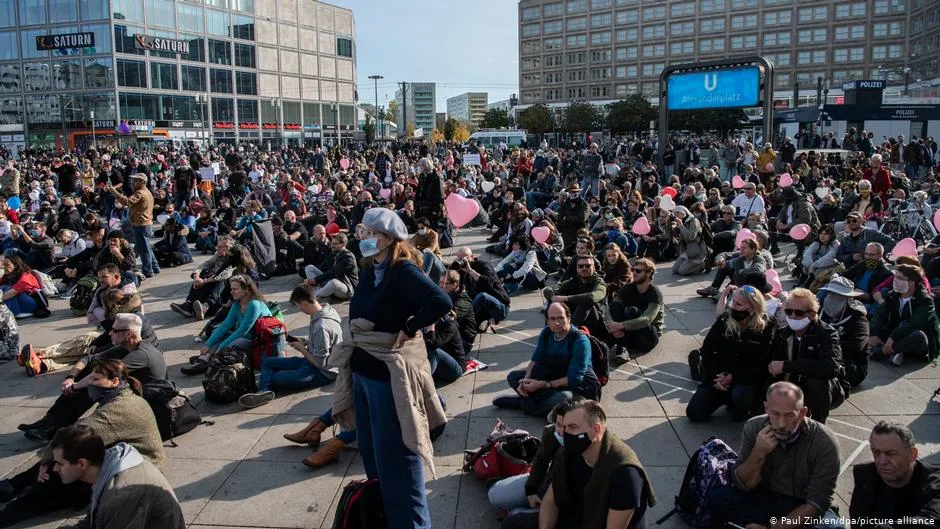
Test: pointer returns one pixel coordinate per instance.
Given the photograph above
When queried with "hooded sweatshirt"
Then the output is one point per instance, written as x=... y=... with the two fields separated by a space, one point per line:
x=324 y=332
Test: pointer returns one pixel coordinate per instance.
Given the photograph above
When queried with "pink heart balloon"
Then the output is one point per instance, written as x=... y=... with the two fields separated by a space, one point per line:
x=461 y=210
x=741 y=235
x=773 y=279
x=799 y=232
x=386 y=193
x=641 y=226
x=769 y=168
x=786 y=180
x=737 y=182
x=936 y=220
x=344 y=163
x=541 y=233
x=905 y=247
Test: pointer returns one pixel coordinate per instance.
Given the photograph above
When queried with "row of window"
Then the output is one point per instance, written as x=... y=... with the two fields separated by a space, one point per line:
x=71 y=74
x=685 y=9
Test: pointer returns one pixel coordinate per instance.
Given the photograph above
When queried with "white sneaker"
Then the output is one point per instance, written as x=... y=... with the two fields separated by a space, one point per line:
x=897 y=359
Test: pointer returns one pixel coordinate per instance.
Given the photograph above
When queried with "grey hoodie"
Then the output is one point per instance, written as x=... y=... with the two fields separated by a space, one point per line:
x=117 y=459
x=323 y=334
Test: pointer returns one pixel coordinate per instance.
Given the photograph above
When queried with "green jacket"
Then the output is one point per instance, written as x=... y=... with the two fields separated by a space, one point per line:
x=887 y=323
x=591 y=292
x=614 y=454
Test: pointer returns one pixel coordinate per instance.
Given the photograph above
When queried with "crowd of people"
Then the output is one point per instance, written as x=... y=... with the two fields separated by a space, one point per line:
x=588 y=226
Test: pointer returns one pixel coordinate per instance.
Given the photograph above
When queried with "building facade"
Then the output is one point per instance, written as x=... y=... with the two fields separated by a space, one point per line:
x=421 y=110
x=605 y=50
x=225 y=70
x=468 y=108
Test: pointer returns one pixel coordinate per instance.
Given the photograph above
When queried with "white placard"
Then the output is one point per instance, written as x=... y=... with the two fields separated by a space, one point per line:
x=215 y=167
x=207 y=174
x=471 y=159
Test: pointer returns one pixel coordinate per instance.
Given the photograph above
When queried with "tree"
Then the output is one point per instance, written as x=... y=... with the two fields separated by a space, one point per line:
x=461 y=133
x=369 y=129
x=721 y=120
x=581 y=116
x=391 y=113
x=410 y=131
x=437 y=136
x=537 y=119
x=496 y=118
x=450 y=126
x=632 y=114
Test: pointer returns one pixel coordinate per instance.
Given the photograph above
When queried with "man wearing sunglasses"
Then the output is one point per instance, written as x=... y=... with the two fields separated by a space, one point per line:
x=852 y=244
x=808 y=353
x=635 y=319
x=585 y=294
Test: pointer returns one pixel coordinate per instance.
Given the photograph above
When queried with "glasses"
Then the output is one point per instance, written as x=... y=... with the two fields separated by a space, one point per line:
x=796 y=313
x=639 y=270
x=851 y=221
x=585 y=265
x=728 y=213
x=116 y=331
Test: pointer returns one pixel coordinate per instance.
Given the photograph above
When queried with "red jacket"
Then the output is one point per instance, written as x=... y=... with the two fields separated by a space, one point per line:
x=880 y=183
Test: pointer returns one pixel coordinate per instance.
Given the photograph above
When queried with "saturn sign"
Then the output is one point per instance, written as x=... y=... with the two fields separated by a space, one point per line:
x=65 y=41
x=146 y=42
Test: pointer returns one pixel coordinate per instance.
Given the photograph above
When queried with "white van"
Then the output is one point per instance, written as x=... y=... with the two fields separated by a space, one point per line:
x=493 y=137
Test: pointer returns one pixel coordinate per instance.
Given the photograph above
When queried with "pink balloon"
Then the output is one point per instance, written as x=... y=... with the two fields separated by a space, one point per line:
x=769 y=168
x=541 y=233
x=386 y=193
x=773 y=279
x=786 y=180
x=905 y=247
x=741 y=235
x=669 y=191
x=737 y=182
x=936 y=219
x=344 y=163
x=641 y=226
x=800 y=232
x=461 y=210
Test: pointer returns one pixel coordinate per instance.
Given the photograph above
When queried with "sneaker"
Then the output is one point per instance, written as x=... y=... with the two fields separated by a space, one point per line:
x=775 y=252
x=619 y=355
x=23 y=315
x=182 y=309
x=199 y=367
x=41 y=435
x=897 y=359
x=508 y=402
x=199 y=310
x=877 y=353
x=473 y=366
x=253 y=400
x=31 y=360
x=483 y=326
x=707 y=292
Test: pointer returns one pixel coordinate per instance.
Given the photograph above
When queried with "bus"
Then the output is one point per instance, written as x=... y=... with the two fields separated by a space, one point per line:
x=493 y=137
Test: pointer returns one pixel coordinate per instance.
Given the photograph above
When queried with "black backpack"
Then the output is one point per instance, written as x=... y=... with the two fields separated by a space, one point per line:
x=174 y=412
x=83 y=294
x=710 y=467
x=229 y=376
x=360 y=506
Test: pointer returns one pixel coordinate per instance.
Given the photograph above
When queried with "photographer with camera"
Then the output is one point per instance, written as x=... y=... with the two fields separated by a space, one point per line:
x=490 y=299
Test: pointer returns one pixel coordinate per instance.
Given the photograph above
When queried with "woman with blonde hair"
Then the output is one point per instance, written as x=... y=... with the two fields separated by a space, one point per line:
x=616 y=269
x=732 y=363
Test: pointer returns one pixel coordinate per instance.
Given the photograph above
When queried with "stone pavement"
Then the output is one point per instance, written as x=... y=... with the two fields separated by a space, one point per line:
x=240 y=472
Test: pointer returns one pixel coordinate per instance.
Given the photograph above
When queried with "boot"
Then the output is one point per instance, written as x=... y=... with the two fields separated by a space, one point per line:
x=310 y=435
x=328 y=453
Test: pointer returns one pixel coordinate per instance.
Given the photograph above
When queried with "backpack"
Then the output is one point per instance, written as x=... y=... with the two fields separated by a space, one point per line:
x=503 y=454
x=360 y=506
x=174 y=412
x=228 y=377
x=709 y=467
x=696 y=366
x=46 y=283
x=445 y=238
x=268 y=338
x=599 y=354
x=83 y=294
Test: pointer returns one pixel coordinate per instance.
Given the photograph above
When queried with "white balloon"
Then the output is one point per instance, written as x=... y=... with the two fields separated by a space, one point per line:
x=822 y=192
x=487 y=186
x=161 y=218
x=612 y=169
x=666 y=203
x=34 y=195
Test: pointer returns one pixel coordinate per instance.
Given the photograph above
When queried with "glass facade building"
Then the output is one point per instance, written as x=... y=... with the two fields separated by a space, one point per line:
x=229 y=70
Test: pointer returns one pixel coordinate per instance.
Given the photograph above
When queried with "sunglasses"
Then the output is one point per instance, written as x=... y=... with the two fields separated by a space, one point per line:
x=796 y=313
x=586 y=265
x=639 y=270
x=851 y=221
x=728 y=213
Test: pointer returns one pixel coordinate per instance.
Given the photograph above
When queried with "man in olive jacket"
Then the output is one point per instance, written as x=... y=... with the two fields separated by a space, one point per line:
x=585 y=294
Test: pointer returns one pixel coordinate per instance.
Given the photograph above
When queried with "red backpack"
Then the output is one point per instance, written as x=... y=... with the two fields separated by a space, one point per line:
x=268 y=338
x=505 y=453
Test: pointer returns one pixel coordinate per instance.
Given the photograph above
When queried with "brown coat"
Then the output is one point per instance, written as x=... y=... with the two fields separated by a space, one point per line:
x=141 y=206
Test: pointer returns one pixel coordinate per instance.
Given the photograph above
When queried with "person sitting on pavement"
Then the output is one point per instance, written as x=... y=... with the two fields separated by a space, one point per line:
x=118 y=250
x=734 y=359
x=560 y=367
x=584 y=246
x=896 y=485
x=341 y=277
x=235 y=331
x=310 y=370
x=35 y=247
x=906 y=324
x=749 y=259
x=787 y=466
x=85 y=262
x=819 y=260
x=794 y=210
x=616 y=270
x=808 y=354
x=636 y=314
x=520 y=269
x=868 y=274
x=853 y=245
x=585 y=295
x=463 y=308
x=725 y=229
x=692 y=248
x=846 y=314
x=597 y=480
x=449 y=361
x=316 y=250
x=487 y=294
x=211 y=280
x=172 y=250
x=243 y=228
x=22 y=289
x=296 y=234
x=122 y=416
x=109 y=277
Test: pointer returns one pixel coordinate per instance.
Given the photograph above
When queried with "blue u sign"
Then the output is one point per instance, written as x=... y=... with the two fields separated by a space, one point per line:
x=728 y=88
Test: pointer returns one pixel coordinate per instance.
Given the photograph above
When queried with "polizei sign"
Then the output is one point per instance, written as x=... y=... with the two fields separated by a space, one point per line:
x=146 y=42
x=65 y=41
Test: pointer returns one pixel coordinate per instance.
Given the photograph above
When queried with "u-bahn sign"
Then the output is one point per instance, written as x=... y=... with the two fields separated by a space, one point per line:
x=719 y=88
x=65 y=41
x=146 y=42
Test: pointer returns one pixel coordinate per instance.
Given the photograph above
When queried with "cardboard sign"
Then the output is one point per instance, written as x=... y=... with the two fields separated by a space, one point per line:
x=471 y=159
x=207 y=174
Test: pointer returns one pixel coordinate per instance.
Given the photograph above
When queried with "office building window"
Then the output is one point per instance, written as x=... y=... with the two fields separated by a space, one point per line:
x=683 y=9
x=711 y=6
x=223 y=109
x=245 y=55
x=243 y=27
x=743 y=21
x=550 y=44
x=576 y=41
x=577 y=24
x=602 y=20
x=344 y=47
x=600 y=56
x=66 y=75
x=7 y=14
x=743 y=4
x=191 y=17
x=680 y=28
x=32 y=12
x=601 y=4
x=577 y=6
x=814 y=14
x=553 y=10
x=63 y=11
x=530 y=13
x=712 y=25
x=654 y=32
x=598 y=74
x=197 y=48
x=601 y=38
x=246 y=83
x=550 y=28
x=9 y=46
x=124 y=39
x=858 y=31
x=91 y=9
x=654 y=12
x=218 y=23
x=161 y=13
x=627 y=35
x=220 y=81
x=129 y=10
x=682 y=48
x=220 y=52
x=530 y=30
x=194 y=78
x=164 y=76
x=99 y=73
x=775 y=18
x=630 y=16
x=131 y=73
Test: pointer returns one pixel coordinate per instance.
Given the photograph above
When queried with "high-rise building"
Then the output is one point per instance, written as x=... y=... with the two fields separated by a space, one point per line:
x=421 y=107
x=467 y=108
x=229 y=70
x=604 y=50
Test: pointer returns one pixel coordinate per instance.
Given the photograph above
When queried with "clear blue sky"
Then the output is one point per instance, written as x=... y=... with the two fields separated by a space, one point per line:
x=461 y=46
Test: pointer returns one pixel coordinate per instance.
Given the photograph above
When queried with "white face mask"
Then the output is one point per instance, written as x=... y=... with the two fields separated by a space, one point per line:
x=423 y=231
x=797 y=324
x=901 y=286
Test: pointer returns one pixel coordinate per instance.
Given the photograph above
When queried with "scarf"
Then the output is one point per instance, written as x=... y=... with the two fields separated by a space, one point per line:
x=117 y=459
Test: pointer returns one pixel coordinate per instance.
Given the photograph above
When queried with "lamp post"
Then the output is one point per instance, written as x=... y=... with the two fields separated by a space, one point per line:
x=335 y=108
x=276 y=105
x=375 y=111
x=202 y=100
x=94 y=139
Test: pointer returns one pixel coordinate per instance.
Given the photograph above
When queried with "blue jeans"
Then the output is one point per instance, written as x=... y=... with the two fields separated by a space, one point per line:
x=729 y=504
x=444 y=368
x=346 y=436
x=592 y=184
x=541 y=402
x=295 y=372
x=21 y=304
x=487 y=307
x=384 y=455
x=532 y=196
x=148 y=263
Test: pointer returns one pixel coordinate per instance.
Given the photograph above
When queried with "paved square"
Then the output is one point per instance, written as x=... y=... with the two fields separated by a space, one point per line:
x=240 y=472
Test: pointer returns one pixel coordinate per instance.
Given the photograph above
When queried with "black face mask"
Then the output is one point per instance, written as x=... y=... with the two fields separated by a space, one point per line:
x=576 y=444
x=740 y=315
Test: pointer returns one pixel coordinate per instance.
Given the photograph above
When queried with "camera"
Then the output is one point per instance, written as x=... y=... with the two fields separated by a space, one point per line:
x=461 y=263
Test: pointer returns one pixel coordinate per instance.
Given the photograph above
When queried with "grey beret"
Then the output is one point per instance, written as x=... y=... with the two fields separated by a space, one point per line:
x=385 y=221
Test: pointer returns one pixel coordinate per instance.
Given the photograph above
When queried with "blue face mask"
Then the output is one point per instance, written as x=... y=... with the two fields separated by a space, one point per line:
x=34 y=234
x=612 y=234
x=369 y=247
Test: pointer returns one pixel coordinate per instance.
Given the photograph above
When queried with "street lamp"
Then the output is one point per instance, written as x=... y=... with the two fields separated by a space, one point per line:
x=203 y=100
x=276 y=106
x=375 y=111
x=335 y=108
x=94 y=139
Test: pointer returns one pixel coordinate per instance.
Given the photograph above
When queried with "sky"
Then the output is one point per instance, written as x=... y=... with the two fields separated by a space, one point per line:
x=461 y=46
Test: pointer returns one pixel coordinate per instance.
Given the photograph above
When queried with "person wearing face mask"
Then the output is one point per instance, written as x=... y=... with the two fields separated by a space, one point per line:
x=734 y=265
x=734 y=359
x=38 y=249
x=122 y=416
x=597 y=480
x=906 y=324
x=865 y=203
x=842 y=310
x=572 y=215
x=426 y=238
x=342 y=274
x=853 y=242
x=692 y=249
x=880 y=178
x=787 y=466
x=866 y=275
x=809 y=354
